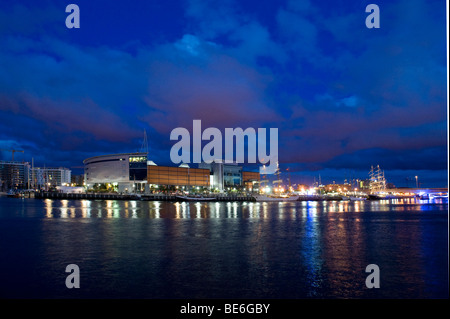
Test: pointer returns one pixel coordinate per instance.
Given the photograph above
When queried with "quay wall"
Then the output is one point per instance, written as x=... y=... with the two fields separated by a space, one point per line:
x=105 y=196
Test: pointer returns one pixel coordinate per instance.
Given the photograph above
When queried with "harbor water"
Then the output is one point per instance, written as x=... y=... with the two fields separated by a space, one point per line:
x=165 y=250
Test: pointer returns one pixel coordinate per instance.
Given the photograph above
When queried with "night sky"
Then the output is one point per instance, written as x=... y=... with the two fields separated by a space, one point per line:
x=343 y=97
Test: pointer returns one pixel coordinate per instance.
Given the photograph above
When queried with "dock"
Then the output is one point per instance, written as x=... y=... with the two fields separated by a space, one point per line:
x=150 y=197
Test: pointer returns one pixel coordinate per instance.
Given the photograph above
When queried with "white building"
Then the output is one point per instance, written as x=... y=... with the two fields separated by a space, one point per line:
x=126 y=172
x=70 y=189
x=49 y=177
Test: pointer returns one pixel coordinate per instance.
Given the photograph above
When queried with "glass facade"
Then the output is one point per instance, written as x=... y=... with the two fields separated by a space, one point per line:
x=138 y=168
x=232 y=175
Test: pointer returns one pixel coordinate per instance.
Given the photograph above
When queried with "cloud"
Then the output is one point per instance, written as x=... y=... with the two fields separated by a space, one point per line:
x=382 y=89
x=252 y=40
x=213 y=20
x=107 y=94
x=321 y=134
x=208 y=85
x=242 y=35
x=299 y=31
x=67 y=87
x=326 y=100
x=189 y=43
x=350 y=101
x=334 y=88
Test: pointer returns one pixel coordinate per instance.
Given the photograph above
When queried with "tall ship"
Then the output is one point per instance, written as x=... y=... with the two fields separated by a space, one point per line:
x=377 y=183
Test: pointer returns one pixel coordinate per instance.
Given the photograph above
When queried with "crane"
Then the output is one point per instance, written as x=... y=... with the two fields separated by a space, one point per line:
x=12 y=152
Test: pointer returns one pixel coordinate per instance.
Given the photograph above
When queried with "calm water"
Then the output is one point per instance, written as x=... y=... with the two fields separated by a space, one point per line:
x=133 y=249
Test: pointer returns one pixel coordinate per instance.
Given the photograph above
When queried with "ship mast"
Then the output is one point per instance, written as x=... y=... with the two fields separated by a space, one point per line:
x=278 y=181
x=377 y=180
x=264 y=181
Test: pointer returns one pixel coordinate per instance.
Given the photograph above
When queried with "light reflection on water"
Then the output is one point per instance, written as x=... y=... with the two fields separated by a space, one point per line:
x=182 y=210
x=156 y=249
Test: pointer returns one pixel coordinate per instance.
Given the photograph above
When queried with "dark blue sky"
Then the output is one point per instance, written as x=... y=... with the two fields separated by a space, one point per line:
x=343 y=97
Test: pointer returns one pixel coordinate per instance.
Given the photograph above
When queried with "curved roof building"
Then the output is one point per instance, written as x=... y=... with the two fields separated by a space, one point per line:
x=123 y=169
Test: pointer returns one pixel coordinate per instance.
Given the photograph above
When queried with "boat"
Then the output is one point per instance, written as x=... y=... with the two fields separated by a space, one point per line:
x=357 y=198
x=433 y=196
x=195 y=199
x=276 y=198
x=12 y=194
x=334 y=197
x=314 y=197
x=377 y=182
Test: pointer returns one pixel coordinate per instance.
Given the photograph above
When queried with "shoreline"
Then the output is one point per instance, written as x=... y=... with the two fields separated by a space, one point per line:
x=176 y=198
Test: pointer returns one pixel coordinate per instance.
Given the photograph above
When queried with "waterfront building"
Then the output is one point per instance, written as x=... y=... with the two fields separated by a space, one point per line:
x=216 y=172
x=338 y=188
x=364 y=184
x=76 y=180
x=226 y=176
x=70 y=189
x=14 y=175
x=125 y=172
x=250 y=181
x=232 y=175
x=182 y=176
x=50 y=177
x=134 y=172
